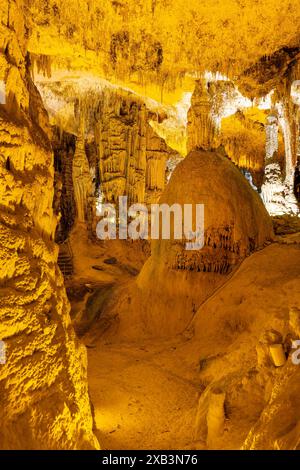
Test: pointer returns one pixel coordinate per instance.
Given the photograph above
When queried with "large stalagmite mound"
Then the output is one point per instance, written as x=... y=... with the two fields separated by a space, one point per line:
x=174 y=281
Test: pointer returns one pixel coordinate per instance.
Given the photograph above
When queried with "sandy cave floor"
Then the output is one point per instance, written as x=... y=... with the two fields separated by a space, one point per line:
x=145 y=394
x=148 y=404
x=140 y=393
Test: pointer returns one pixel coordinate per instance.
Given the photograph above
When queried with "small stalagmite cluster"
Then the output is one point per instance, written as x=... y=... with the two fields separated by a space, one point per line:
x=164 y=340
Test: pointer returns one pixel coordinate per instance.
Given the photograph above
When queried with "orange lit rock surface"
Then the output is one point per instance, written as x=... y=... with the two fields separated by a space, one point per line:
x=174 y=281
x=185 y=349
x=43 y=387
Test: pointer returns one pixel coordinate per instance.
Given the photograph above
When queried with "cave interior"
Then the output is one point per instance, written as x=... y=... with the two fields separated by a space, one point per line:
x=132 y=342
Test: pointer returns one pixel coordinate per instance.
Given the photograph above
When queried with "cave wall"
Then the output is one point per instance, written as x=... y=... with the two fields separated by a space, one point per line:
x=43 y=387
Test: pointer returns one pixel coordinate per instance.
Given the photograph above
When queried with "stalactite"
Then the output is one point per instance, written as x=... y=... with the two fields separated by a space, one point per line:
x=287 y=135
x=221 y=253
x=82 y=181
x=132 y=157
x=41 y=63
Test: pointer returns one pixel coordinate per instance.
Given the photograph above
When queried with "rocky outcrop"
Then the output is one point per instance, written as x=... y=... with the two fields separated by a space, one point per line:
x=43 y=387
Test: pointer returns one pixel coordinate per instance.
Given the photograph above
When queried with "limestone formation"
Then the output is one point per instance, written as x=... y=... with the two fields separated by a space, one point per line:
x=188 y=339
x=221 y=116
x=129 y=157
x=236 y=224
x=82 y=179
x=276 y=193
x=43 y=387
x=64 y=149
x=215 y=417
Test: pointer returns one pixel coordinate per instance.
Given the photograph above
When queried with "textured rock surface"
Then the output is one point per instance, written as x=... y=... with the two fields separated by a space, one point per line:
x=43 y=388
x=220 y=115
x=64 y=200
x=128 y=156
x=174 y=281
x=82 y=180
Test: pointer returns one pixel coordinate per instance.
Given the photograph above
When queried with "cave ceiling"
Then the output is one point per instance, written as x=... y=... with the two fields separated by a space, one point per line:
x=166 y=43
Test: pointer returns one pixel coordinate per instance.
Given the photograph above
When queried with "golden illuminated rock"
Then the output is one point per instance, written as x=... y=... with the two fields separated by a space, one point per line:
x=194 y=349
x=43 y=387
x=175 y=281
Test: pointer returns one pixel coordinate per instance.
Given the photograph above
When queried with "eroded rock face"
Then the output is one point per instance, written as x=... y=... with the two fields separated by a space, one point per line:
x=43 y=387
x=174 y=282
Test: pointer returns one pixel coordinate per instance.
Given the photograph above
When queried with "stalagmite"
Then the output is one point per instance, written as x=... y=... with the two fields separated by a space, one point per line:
x=202 y=129
x=294 y=321
x=286 y=130
x=277 y=354
x=277 y=194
